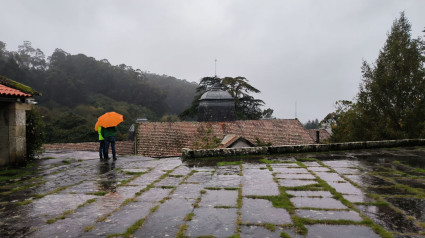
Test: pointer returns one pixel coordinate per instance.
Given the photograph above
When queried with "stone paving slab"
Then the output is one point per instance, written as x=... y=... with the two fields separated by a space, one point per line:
x=285 y=170
x=319 y=169
x=259 y=231
x=217 y=222
x=295 y=182
x=119 y=221
x=294 y=176
x=214 y=198
x=342 y=163
x=348 y=171
x=317 y=202
x=259 y=182
x=261 y=211
x=338 y=231
x=224 y=181
x=166 y=220
x=346 y=188
x=328 y=215
x=170 y=181
x=330 y=177
x=200 y=177
x=312 y=164
x=309 y=193
x=61 y=203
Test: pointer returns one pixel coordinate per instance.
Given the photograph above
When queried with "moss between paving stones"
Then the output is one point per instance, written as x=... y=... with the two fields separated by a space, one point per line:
x=69 y=212
x=138 y=224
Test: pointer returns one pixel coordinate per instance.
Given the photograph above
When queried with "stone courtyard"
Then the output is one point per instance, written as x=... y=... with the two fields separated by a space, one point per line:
x=370 y=193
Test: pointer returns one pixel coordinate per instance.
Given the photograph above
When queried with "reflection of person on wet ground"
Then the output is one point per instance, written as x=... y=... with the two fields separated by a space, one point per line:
x=107 y=180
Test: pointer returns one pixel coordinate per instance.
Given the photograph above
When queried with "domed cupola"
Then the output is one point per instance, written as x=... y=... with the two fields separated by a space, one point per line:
x=216 y=105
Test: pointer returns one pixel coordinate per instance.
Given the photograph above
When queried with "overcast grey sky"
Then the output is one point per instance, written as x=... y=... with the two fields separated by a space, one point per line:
x=307 y=52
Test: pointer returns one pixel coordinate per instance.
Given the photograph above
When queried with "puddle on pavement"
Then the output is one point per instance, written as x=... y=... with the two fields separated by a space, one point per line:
x=412 y=206
x=368 y=180
x=389 y=191
x=415 y=183
x=389 y=219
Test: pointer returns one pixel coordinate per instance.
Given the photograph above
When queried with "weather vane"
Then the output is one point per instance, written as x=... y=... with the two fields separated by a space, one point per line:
x=215 y=67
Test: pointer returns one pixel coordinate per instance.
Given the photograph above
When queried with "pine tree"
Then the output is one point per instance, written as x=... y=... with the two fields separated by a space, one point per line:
x=392 y=93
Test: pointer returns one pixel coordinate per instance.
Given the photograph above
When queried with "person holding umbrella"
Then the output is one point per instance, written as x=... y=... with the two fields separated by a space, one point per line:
x=109 y=134
x=108 y=122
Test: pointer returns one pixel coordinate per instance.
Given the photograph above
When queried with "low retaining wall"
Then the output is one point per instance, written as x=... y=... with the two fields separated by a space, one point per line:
x=188 y=154
x=122 y=147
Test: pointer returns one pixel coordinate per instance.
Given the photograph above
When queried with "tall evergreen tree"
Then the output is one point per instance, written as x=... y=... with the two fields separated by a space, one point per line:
x=391 y=100
x=392 y=92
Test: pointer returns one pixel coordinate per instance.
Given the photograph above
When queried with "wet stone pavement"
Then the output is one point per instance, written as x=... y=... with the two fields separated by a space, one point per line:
x=373 y=193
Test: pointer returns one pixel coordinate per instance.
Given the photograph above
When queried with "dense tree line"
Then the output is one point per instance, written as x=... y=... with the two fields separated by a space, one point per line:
x=313 y=124
x=76 y=89
x=391 y=100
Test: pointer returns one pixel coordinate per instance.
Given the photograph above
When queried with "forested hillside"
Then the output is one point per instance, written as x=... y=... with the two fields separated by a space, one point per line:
x=76 y=89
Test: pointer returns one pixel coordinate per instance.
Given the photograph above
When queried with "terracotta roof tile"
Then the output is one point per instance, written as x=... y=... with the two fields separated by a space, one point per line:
x=165 y=139
x=7 y=91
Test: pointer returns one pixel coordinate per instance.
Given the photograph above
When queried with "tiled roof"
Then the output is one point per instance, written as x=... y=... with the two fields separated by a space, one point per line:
x=324 y=134
x=7 y=91
x=166 y=139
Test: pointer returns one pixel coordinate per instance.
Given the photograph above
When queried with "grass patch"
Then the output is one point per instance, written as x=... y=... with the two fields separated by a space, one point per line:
x=167 y=187
x=88 y=228
x=176 y=175
x=213 y=188
x=231 y=188
x=270 y=227
x=189 y=216
x=51 y=221
x=129 y=232
x=225 y=207
x=100 y=193
x=25 y=202
x=182 y=230
x=224 y=163
x=307 y=159
x=284 y=235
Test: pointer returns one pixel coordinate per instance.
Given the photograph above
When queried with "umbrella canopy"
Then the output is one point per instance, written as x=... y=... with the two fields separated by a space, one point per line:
x=109 y=119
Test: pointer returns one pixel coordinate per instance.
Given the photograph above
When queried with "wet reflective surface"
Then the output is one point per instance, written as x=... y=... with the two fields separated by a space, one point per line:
x=72 y=194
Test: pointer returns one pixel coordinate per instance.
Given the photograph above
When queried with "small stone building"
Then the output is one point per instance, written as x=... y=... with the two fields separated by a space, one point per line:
x=216 y=105
x=15 y=100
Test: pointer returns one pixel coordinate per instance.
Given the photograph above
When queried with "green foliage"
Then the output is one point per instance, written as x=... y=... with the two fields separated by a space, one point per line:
x=391 y=100
x=247 y=107
x=206 y=140
x=313 y=124
x=35 y=135
x=259 y=142
x=169 y=118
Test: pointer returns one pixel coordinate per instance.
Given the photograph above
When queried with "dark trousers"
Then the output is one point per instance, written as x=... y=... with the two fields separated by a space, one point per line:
x=101 y=148
x=109 y=140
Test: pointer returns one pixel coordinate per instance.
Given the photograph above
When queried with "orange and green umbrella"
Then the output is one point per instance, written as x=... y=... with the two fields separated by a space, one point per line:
x=109 y=119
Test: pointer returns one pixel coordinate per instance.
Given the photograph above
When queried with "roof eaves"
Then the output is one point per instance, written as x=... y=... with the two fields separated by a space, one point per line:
x=19 y=86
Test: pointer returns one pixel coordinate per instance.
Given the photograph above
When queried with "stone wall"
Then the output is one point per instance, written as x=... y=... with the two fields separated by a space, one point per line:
x=13 y=133
x=188 y=154
x=122 y=147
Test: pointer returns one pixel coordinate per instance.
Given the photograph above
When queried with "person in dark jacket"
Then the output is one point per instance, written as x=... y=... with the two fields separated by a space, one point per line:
x=109 y=134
